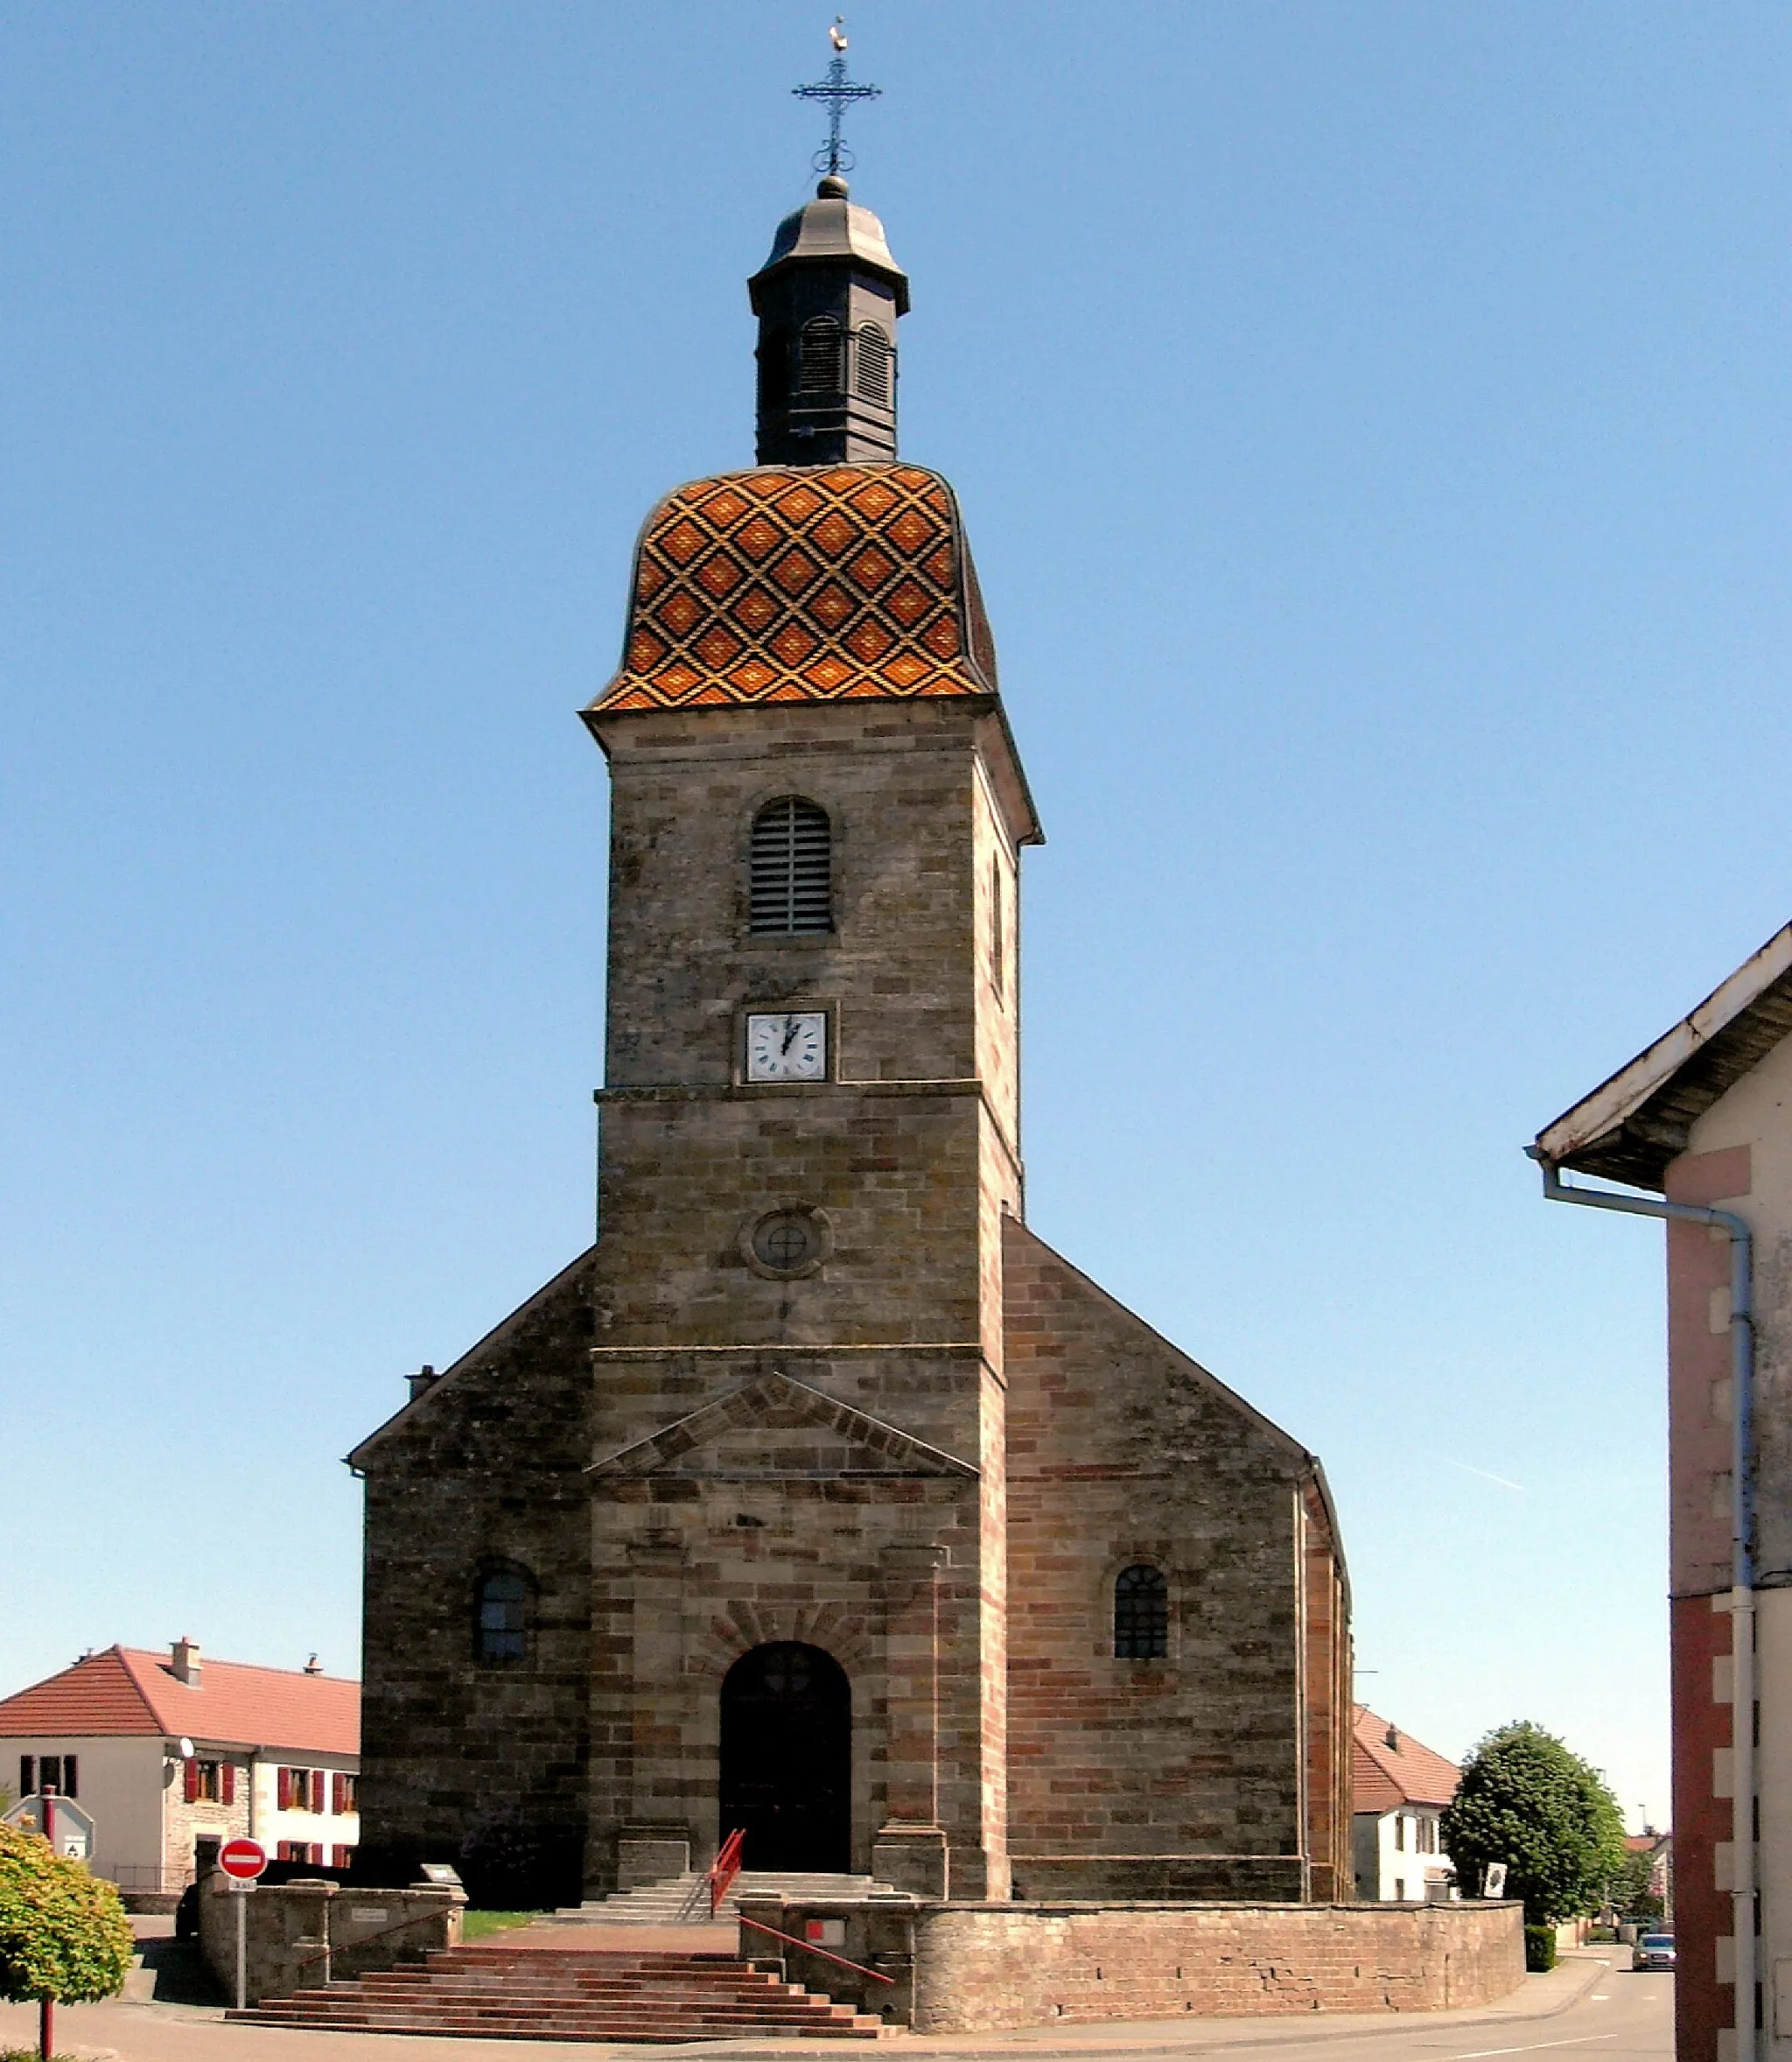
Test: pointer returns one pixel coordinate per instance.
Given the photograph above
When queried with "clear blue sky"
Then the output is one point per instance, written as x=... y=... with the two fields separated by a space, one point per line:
x=1371 y=419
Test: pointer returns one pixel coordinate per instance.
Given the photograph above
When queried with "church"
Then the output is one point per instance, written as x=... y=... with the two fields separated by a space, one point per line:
x=819 y=1500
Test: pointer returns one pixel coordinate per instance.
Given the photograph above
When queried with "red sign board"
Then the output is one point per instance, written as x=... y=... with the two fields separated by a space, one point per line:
x=243 y=1859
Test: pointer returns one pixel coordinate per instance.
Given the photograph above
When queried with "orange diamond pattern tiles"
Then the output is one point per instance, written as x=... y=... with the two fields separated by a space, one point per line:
x=782 y=585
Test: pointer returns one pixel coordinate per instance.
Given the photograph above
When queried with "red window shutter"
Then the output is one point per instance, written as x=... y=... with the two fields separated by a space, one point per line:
x=193 y=1781
x=318 y=1796
x=338 y=1795
x=283 y=1784
x=226 y=1778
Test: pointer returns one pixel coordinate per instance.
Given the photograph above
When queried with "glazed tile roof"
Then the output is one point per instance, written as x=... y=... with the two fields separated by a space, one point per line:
x=809 y=584
x=125 y=1690
x=1388 y=1777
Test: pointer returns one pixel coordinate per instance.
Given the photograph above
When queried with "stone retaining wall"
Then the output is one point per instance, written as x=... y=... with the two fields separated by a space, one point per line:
x=971 y=1968
x=287 y=1928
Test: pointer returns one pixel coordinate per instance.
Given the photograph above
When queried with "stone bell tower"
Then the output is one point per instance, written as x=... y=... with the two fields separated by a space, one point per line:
x=819 y=1500
x=809 y=1139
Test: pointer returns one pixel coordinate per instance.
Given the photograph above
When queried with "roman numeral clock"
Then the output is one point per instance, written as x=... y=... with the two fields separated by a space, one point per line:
x=786 y=1045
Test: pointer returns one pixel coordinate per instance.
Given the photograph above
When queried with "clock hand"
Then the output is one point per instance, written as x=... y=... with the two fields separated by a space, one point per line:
x=791 y=1028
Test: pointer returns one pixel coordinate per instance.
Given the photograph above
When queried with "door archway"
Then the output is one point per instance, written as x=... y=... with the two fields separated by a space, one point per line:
x=787 y=1757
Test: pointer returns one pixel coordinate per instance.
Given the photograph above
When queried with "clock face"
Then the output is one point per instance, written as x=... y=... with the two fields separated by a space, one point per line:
x=787 y=1045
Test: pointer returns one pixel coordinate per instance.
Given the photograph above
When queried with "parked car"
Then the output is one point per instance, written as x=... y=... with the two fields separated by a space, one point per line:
x=1653 y=1951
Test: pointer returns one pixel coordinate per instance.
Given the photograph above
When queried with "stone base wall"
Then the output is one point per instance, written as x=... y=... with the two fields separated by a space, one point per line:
x=1154 y=1879
x=300 y=1935
x=976 y=1968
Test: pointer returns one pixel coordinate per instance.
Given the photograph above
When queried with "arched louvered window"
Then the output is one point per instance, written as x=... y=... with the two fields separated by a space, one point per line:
x=790 y=879
x=874 y=366
x=1141 y=1614
x=500 y=1617
x=819 y=353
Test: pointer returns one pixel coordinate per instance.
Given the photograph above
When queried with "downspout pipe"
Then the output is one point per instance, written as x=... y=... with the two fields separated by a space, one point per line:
x=1741 y=1600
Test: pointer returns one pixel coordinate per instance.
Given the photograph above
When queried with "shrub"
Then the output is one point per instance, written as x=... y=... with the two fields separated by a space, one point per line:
x=63 y=1933
x=1539 y=1949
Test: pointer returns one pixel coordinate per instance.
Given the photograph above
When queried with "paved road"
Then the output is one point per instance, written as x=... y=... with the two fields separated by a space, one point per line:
x=1589 y=2010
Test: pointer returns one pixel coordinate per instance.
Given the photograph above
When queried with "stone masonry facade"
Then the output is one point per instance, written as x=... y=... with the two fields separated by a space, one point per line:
x=924 y=1455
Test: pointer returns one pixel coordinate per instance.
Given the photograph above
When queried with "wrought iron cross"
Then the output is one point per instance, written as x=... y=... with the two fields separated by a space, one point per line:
x=839 y=92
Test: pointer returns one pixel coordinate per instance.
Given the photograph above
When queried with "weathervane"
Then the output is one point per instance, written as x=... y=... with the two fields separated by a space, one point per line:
x=837 y=90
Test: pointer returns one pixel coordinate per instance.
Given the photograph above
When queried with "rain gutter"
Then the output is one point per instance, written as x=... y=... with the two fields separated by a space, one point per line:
x=1740 y=1603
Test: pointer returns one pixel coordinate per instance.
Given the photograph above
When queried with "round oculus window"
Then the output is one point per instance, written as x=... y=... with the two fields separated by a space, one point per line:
x=787 y=1242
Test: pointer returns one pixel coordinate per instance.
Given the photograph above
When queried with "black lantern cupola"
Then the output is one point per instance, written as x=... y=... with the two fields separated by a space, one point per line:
x=828 y=300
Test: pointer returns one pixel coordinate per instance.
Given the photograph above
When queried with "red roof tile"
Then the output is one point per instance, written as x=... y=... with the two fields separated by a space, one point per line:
x=98 y=1695
x=1404 y=1773
x=125 y=1690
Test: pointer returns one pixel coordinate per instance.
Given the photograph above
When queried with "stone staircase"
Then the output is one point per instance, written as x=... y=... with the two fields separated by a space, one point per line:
x=498 y=1993
x=684 y=1900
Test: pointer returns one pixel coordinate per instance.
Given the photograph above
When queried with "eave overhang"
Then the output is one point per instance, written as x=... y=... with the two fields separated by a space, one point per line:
x=1635 y=1124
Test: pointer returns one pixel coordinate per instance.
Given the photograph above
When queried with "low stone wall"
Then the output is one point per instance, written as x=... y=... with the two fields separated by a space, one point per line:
x=288 y=1929
x=976 y=1969
x=1157 y=1879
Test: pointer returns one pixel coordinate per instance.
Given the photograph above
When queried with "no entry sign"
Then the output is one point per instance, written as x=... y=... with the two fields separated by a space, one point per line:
x=243 y=1860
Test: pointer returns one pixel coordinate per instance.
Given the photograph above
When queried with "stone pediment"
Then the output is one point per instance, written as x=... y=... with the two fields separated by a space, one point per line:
x=778 y=1427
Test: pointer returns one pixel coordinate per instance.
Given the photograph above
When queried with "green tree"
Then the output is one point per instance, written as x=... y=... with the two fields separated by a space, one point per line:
x=1629 y=1891
x=1529 y=1801
x=63 y=1933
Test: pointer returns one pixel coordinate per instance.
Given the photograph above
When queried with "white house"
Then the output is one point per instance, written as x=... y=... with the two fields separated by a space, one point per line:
x=1402 y=1787
x=172 y=1756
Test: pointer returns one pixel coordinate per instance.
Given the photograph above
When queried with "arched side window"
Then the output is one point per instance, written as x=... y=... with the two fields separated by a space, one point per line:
x=873 y=367
x=1141 y=1614
x=790 y=886
x=501 y=1617
x=820 y=351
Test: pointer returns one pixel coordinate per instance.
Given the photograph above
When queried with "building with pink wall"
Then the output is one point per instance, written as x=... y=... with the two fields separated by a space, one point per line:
x=1701 y=1122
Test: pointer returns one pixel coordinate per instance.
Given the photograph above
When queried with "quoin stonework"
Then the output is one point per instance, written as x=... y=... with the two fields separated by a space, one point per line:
x=1697 y=1128
x=820 y=1500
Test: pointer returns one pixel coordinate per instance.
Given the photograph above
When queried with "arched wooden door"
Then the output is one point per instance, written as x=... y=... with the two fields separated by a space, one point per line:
x=787 y=1758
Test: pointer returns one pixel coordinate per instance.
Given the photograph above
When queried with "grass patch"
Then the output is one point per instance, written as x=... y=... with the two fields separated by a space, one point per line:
x=475 y=1925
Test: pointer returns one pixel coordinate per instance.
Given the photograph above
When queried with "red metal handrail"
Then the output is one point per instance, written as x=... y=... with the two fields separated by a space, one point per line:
x=809 y=1947
x=725 y=1869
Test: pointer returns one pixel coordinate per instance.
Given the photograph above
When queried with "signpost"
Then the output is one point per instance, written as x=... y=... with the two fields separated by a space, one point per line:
x=65 y=1825
x=243 y=1861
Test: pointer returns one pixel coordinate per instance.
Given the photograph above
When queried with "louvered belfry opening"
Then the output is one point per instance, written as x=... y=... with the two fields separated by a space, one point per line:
x=791 y=874
x=1141 y=1614
x=873 y=381
x=821 y=369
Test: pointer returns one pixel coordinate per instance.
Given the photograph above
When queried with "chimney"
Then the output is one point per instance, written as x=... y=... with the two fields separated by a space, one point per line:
x=314 y=1666
x=186 y=1664
x=423 y=1379
x=1392 y=1736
